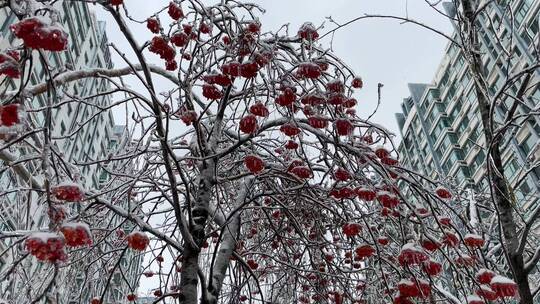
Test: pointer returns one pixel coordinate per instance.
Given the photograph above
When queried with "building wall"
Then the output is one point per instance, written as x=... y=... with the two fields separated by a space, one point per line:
x=440 y=122
x=78 y=143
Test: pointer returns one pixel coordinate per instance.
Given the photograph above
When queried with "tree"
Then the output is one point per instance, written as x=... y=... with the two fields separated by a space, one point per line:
x=272 y=191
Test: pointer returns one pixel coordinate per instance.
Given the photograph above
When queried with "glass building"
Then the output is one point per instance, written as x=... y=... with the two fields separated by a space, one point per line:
x=440 y=123
x=81 y=134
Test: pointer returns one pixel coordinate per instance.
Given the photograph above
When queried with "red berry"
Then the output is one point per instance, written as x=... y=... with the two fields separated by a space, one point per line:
x=116 y=2
x=318 y=122
x=259 y=109
x=335 y=86
x=302 y=172
x=160 y=46
x=351 y=229
x=473 y=240
x=357 y=83
x=9 y=65
x=95 y=300
x=175 y=11
x=69 y=192
x=289 y=129
x=364 y=251
x=211 y=92
x=344 y=127
x=205 y=28
x=443 y=193
x=188 y=117
x=39 y=33
x=308 y=31
x=10 y=115
x=232 y=69
x=76 y=234
x=291 y=145
x=138 y=240
x=287 y=98
x=153 y=25
x=46 y=246
x=342 y=175
x=248 y=124
x=254 y=164
x=249 y=69
x=309 y=70
x=216 y=78
x=180 y=39
x=131 y=297
x=171 y=65
x=254 y=26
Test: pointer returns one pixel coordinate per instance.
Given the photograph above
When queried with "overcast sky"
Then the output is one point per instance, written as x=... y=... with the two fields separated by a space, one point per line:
x=381 y=51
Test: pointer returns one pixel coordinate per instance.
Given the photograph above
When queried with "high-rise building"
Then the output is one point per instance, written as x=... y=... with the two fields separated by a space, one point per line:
x=440 y=123
x=81 y=133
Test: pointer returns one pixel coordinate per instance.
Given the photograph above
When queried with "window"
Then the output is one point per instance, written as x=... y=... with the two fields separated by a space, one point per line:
x=522 y=11
x=511 y=168
x=527 y=144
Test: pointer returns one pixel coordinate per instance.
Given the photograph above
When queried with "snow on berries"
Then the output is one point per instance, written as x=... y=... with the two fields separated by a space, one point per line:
x=343 y=127
x=248 y=124
x=11 y=119
x=473 y=240
x=366 y=194
x=9 y=65
x=318 y=121
x=46 y=246
x=76 y=234
x=95 y=300
x=68 y=191
x=308 y=31
x=41 y=33
x=218 y=79
x=188 y=116
x=131 y=297
x=417 y=289
x=484 y=276
x=161 y=47
x=443 y=193
x=302 y=172
x=364 y=251
x=259 y=109
x=309 y=70
x=137 y=241
x=351 y=229
x=503 y=286
x=254 y=164
x=211 y=92
x=175 y=11
x=289 y=129
x=357 y=83
x=153 y=25
x=411 y=254
x=180 y=39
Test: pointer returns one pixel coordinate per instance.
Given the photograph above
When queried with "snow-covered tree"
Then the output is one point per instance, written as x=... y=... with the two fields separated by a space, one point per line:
x=252 y=179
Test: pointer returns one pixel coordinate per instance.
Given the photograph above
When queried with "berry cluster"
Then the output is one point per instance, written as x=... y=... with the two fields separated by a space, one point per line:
x=254 y=164
x=10 y=118
x=47 y=247
x=138 y=240
x=76 y=234
x=9 y=64
x=39 y=33
x=69 y=192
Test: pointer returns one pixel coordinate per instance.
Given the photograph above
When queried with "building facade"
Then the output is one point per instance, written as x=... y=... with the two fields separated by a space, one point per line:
x=440 y=123
x=81 y=133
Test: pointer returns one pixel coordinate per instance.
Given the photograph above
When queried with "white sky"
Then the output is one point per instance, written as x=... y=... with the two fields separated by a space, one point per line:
x=382 y=51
